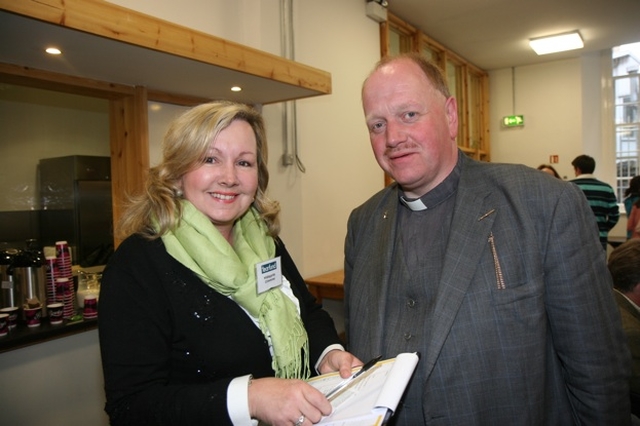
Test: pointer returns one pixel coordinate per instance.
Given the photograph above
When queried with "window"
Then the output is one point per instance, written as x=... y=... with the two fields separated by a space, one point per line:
x=432 y=53
x=475 y=97
x=400 y=39
x=626 y=88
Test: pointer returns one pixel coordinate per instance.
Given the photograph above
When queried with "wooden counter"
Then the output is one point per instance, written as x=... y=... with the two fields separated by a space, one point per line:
x=328 y=285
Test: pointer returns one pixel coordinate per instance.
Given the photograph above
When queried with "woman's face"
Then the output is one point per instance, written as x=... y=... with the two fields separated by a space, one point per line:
x=225 y=185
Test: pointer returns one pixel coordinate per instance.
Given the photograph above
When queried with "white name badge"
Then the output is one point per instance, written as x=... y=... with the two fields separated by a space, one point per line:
x=268 y=274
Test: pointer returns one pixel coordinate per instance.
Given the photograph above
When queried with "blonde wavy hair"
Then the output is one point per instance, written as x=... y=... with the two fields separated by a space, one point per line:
x=158 y=209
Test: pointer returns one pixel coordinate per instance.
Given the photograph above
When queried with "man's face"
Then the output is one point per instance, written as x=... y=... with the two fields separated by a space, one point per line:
x=412 y=127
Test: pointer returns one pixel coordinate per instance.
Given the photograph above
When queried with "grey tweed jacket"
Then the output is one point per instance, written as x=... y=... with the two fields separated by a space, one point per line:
x=525 y=329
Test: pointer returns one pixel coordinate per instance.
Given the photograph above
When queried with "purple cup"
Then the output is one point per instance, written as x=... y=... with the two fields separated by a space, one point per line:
x=12 y=320
x=4 y=324
x=56 y=311
x=90 y=307
x=32 y=316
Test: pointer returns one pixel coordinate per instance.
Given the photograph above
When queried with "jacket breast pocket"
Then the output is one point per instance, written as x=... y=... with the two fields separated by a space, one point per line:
x=520 y=303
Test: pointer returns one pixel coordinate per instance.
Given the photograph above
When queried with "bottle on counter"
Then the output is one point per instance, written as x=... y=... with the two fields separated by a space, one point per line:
x=88 y=285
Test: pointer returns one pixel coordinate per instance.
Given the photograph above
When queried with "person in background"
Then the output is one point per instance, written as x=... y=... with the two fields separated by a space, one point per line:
x=192 y=330
x=601 y=196
x=493 y=272
x=624 y=265
x=633 y=221
x=631 y=195
x=549 y=169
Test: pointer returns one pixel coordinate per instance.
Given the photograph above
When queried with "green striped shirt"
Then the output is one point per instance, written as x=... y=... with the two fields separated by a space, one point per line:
x=603 y=202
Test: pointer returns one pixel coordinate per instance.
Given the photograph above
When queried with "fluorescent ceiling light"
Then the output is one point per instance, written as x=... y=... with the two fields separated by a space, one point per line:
x=556 y=43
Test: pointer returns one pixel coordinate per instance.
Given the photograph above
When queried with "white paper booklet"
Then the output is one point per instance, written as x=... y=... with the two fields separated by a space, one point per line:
x=372 y=398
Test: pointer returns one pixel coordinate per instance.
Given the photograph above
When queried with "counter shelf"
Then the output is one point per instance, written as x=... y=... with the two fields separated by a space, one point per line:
x=22 y=335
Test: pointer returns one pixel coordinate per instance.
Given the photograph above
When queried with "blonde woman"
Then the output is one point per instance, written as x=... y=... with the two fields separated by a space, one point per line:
x=204 y=317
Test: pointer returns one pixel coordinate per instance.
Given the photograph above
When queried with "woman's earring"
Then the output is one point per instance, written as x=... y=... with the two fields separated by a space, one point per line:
x=179 y=193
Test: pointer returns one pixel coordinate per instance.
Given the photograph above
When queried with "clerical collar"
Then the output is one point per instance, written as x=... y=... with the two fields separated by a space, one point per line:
x=437 y=195
x=415 y=205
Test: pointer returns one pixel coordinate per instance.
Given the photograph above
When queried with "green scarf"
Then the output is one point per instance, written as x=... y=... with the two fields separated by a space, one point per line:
x=199 y=246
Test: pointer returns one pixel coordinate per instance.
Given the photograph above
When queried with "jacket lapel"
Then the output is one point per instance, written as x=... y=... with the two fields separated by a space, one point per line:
x=380 y=241
x=471 y=225
x=387 y=233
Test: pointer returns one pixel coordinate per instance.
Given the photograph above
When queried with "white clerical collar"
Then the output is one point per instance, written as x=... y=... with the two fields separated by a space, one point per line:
x=414 y=205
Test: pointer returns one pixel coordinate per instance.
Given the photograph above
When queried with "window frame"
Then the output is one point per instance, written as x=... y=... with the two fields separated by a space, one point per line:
x=627 y=159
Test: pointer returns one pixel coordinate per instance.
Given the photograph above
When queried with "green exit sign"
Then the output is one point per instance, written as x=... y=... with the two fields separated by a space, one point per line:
x=513 y=120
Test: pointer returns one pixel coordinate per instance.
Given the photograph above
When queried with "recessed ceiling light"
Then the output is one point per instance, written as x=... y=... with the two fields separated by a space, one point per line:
x=53 y=51
x=556 y=43
x=236 y=89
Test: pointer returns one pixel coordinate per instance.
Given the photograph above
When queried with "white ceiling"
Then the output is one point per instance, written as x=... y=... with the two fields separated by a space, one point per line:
x=494 y=34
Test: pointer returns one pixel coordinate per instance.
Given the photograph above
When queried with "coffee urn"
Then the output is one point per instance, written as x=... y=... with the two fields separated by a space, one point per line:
x=8 y=294
x=29 y=280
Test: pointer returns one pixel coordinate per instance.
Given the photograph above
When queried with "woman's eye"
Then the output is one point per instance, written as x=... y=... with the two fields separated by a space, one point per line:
x=245 y=163
x=209 y=160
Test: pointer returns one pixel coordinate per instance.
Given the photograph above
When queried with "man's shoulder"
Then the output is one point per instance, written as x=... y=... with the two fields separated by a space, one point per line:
x=506 y=175
x=593 y=183
x=381 y=196
x=589 y=179
x=382 y=200
x=497 y=168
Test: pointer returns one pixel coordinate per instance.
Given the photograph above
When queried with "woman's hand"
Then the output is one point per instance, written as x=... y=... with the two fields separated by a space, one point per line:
x=283 y=402
x=337 y=360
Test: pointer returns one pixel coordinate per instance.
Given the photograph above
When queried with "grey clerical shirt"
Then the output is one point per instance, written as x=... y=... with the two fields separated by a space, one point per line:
x=417 y=265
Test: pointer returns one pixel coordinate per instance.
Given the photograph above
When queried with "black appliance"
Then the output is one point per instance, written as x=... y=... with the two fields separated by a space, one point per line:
x=75 y=193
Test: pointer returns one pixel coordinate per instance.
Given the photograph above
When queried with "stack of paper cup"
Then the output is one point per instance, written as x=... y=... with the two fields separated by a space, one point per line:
x=64 y=259
x=51 y=268
x=67 y=296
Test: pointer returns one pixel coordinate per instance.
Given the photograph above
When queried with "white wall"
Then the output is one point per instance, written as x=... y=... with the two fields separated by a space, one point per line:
x=566 y=113
x=334 y=142
x=549 y=97
x=562 y=103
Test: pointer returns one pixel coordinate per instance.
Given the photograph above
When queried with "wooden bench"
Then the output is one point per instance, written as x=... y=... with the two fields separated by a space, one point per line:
x=328 y=285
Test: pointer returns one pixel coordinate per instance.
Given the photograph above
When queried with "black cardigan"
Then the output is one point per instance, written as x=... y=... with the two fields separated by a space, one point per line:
x=171 y=345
